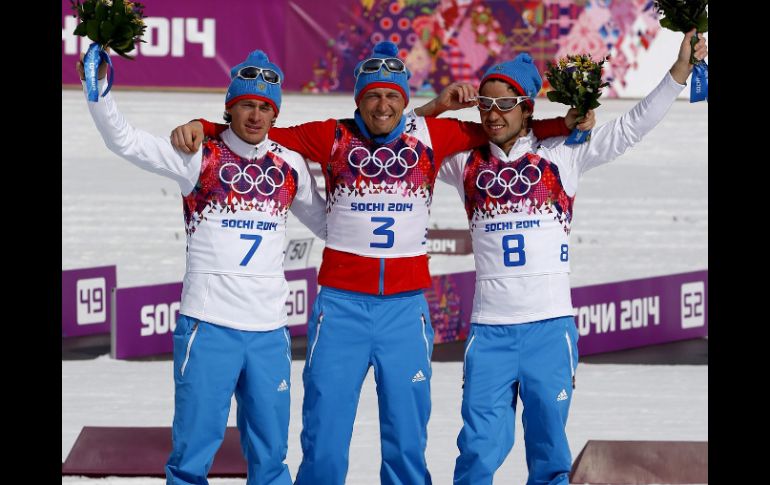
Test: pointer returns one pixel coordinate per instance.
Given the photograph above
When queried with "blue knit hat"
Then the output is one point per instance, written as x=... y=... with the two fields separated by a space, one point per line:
x=520 y=73
x=382 y=78
x=254 y=88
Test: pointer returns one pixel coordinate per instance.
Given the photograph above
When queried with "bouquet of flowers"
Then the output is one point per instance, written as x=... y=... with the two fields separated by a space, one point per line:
x=115 y=24
x=576 y=80
x=683 y=16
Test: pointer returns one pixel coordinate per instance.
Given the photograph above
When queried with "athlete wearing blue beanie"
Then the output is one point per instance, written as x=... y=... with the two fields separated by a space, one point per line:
x=520 y=73
x=391 y=72
x=255 y=78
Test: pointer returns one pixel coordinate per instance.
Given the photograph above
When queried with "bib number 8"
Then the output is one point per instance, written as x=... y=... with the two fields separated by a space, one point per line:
x=513 y=250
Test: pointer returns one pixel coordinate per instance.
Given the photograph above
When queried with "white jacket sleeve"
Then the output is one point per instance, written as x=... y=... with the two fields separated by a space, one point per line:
x=612 y=139
x=451 y=171
x=308 y=206
x=152 y=153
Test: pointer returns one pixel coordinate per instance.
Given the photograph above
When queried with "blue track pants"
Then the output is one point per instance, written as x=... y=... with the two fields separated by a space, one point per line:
x=536 y=362
x=348 y=333
x=211 y=363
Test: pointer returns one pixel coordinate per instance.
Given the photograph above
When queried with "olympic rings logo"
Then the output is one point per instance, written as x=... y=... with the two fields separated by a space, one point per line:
x=251 y=177
x=394 y=164
x=496 y=184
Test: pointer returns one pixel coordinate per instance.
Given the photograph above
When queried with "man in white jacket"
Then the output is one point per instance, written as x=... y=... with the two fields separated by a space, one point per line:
x=231 y=335
x=518 y=193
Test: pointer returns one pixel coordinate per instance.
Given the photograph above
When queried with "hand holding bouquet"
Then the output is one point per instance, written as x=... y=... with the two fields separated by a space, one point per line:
x=576 y=80
x=683 y=16
x=115 y=24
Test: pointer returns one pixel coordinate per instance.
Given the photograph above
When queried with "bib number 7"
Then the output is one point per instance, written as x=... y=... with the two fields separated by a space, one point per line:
x=251 y=237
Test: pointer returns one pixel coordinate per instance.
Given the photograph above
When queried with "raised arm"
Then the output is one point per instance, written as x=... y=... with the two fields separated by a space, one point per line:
x=313 y=140
x=459 y=95
x=149 y=152
x=451 y=98
x=612 y=139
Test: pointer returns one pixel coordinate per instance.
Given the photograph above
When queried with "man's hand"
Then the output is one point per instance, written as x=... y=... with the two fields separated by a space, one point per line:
x=82 y=70
x=453 y=97
x=682 y=67
x=584 y=124
x=187 y=138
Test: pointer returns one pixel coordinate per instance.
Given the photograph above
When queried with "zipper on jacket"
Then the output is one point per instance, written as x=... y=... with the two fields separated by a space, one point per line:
x=382 y=276
x=189 y=347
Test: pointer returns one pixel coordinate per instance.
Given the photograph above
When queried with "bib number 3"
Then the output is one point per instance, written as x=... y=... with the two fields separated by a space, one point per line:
x=383 y=230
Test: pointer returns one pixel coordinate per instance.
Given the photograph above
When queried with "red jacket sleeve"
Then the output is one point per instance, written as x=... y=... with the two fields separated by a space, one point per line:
x=550 y=127
x=212 y=129
x=449 y=135
x=312 y=140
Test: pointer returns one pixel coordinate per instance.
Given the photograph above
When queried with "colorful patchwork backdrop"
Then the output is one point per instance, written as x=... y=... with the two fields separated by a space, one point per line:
x=192 y=43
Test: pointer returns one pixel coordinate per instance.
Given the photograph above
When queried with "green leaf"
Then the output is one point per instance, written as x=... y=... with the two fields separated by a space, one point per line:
x=80 y=29
x=680 y=15
x=118 y=7
x=123 y=54
x=92 y=28
x=125 y=46
x=122 y=32
x=89 y=7
x=119 y=23
x=105 y=29
x=703 y=24
x=669 y=24
x=101 y=11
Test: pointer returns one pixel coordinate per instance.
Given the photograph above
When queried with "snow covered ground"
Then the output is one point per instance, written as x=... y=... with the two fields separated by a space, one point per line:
x=611 y=402
x=646 y=214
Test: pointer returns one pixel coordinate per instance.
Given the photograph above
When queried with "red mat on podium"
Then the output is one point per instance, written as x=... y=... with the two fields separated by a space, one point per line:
x=105 y=451
x=642 y=462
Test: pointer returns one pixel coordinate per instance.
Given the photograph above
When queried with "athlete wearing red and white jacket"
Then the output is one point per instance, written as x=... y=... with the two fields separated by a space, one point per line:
x=350 y=261
x=380 y=168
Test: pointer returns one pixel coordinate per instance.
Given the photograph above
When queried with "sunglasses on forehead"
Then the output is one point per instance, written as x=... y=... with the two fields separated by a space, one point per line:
x=503 y=104
x=374 y=64
x=252 y=72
